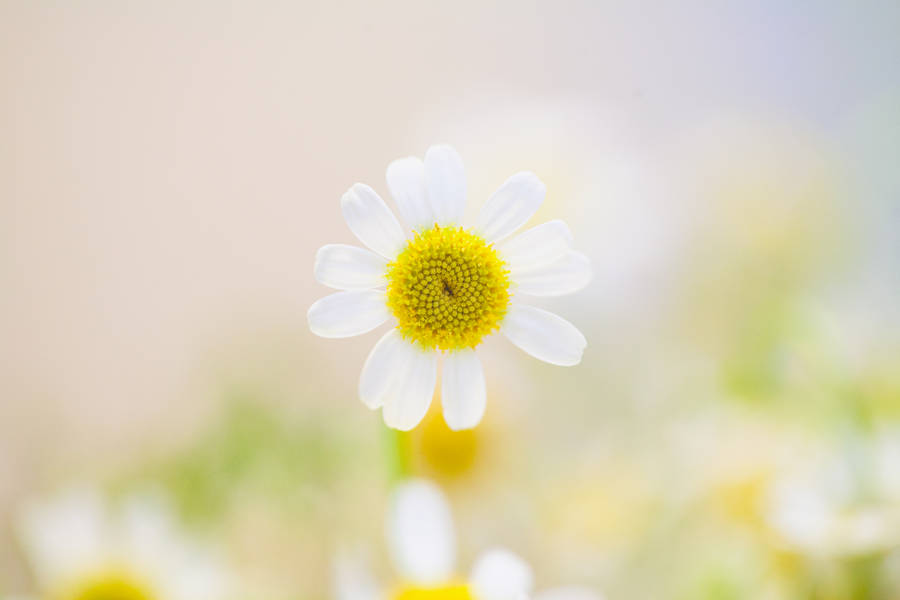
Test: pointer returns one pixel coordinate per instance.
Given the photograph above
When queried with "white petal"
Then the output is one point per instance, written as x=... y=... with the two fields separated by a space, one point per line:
x=511 y=206
x=147 y=528
x=568 y=593
x=406 y=180
x=566 y=275
x=385 y=364
x=800 y=513
x=462 y=390
x=544 y=335
x=199 y=575
x=66 y=535
x=372 y=221
x=346 y=314
x=410 y=394
x=501 y=575
x=445 y=178
x=352 y=579
x=420 y=533
x=537 y=246
x=349 y=268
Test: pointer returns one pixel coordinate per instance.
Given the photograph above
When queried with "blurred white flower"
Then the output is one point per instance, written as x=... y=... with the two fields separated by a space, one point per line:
x=422 y=545
x=845 y=502
x=80 y=548
x=446 y=287
x=567 y=593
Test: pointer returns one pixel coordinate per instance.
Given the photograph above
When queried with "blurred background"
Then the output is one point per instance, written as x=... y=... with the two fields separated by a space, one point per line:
x=168 y=170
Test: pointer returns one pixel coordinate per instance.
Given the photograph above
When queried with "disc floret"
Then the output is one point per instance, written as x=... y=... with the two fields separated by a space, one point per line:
x=107 y=587
x=448 y=288
x=450 y=592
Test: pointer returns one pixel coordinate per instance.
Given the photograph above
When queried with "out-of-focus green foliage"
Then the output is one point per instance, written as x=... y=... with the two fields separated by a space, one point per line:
x=258 y=451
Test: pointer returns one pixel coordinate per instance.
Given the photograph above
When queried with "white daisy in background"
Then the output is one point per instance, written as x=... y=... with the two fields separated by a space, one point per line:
x=80 y=549
x=844 y=502
x=445 y=287
x=422 y=546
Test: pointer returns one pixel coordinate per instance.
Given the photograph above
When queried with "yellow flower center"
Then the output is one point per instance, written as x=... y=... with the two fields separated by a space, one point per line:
x=445 y=454
x=448 y=289
x=742 y=499
x=107 y=587
x=451 y=592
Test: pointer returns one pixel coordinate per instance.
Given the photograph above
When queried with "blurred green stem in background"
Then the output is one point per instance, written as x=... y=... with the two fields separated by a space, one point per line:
x=864 y=579
x=398 y=455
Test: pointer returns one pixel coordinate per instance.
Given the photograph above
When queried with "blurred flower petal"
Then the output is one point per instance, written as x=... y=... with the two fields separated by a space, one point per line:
x=200 y=575
x=353 y=580
x=420 y=534
x=65 y=535
x=148 y=528
x=501 y=575
x=568 y=593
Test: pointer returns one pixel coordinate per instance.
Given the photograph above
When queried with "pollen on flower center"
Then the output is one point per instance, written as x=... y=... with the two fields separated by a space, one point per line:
x=448 y=289
x=452 y=592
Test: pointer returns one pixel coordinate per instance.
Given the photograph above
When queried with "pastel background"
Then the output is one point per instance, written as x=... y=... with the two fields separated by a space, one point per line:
x=168 y=170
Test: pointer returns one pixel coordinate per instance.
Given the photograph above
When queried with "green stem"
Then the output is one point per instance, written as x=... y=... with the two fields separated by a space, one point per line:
x=398 y=455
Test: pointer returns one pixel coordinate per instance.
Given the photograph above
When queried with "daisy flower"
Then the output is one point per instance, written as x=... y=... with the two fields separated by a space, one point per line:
x=80 y=549
x=841 y=502
x=422 y=546
x=445 y=287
